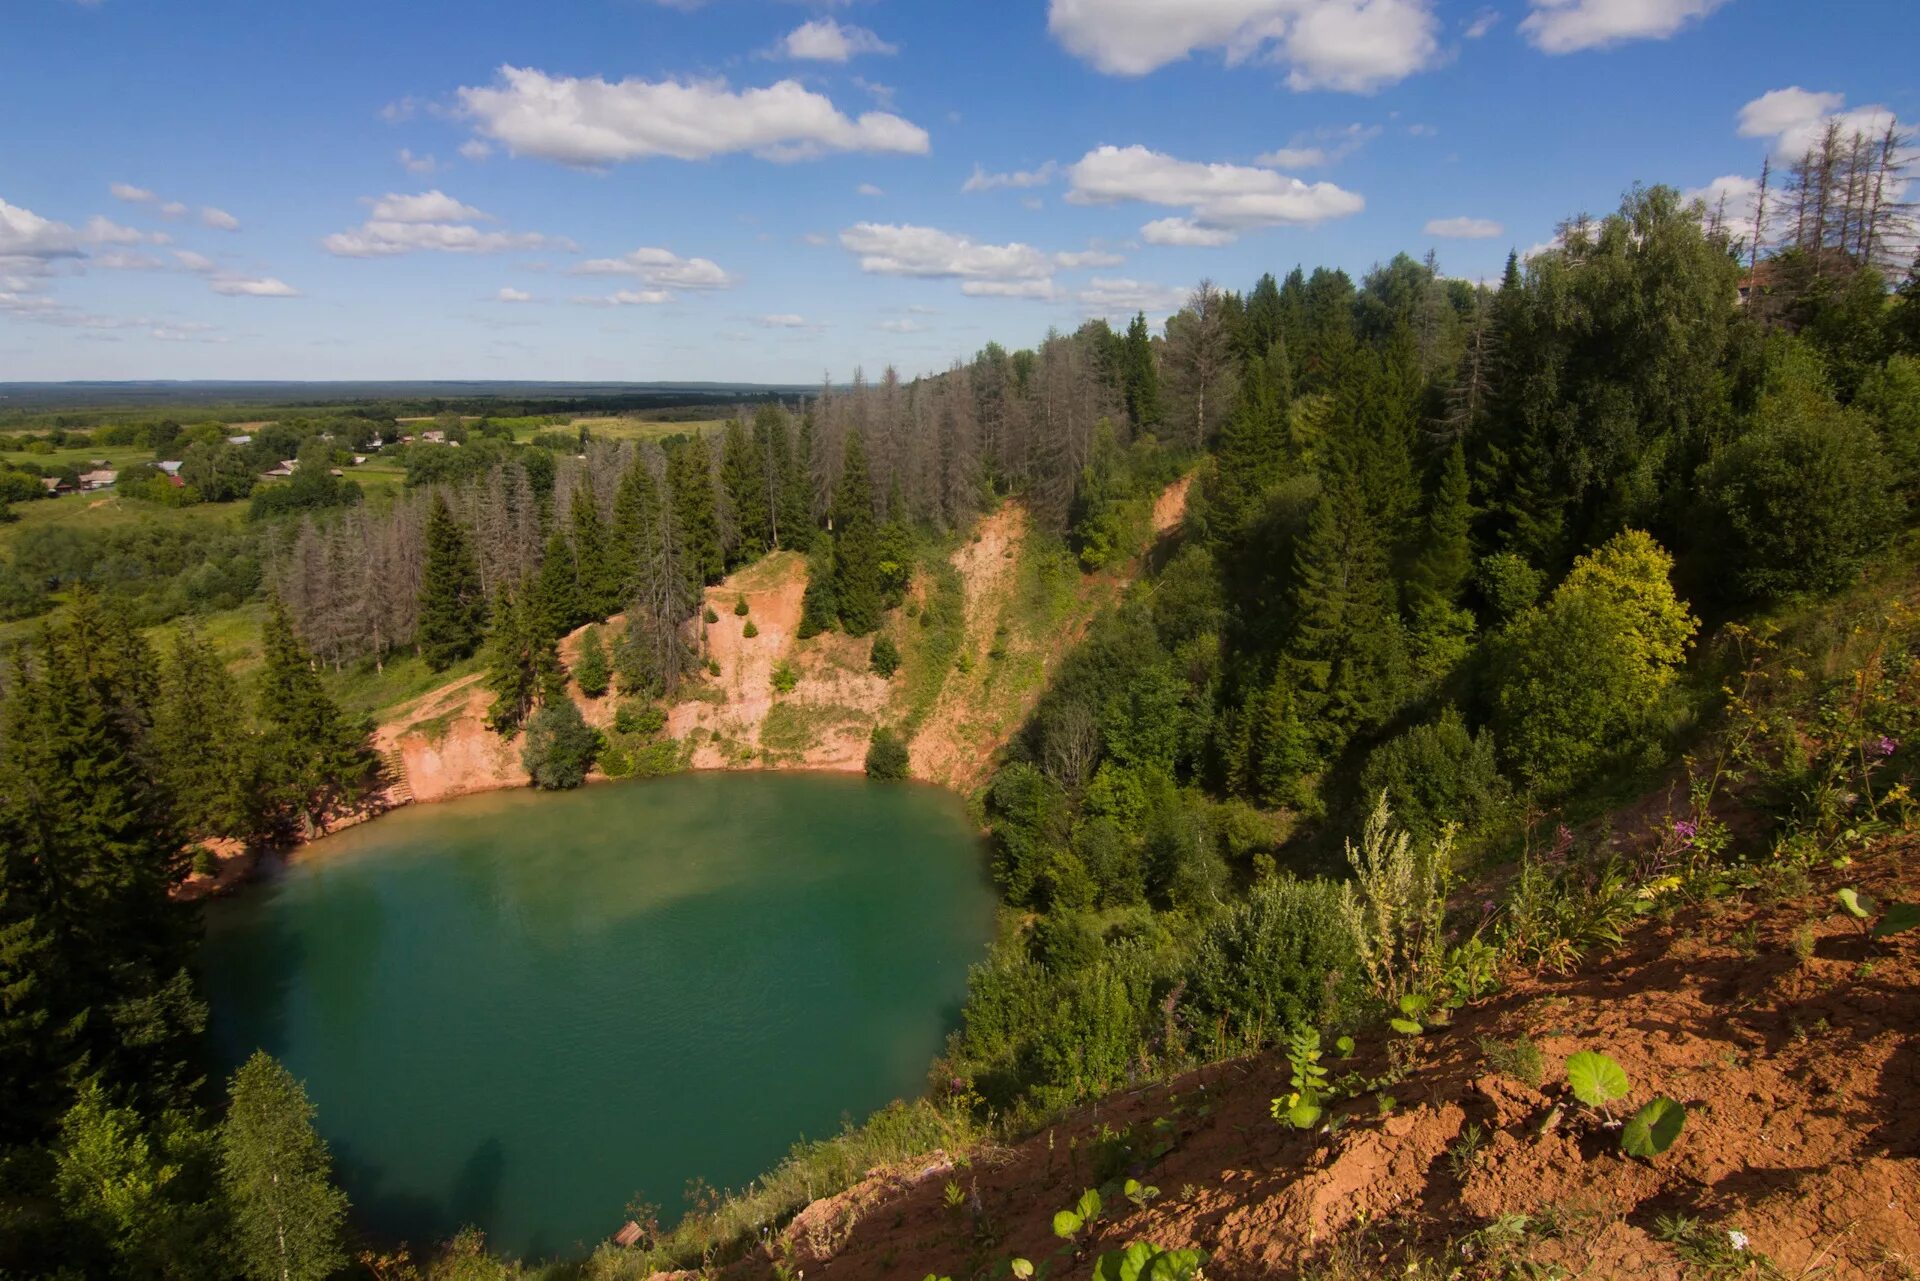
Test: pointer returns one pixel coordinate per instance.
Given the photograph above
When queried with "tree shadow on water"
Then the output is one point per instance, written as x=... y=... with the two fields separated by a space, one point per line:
x=391 y=1216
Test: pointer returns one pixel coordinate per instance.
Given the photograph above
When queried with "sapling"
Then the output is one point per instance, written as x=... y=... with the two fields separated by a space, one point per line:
x=1067 y=1224
x=1597 y=1080
x=1412 y=1006
x=1302 y=1108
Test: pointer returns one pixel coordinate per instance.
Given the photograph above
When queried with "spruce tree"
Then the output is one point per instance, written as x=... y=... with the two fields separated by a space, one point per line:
x=590 y=666
x=1252 y=453
x=288 y=1218
x=201 y=741
x=818 y=608
x=595 y=577
x=1280 y=750
x=743 y=476
x=1346 y=624
x=556 y=591
x=522 y=664
x=312 y=758
x=690 y=473
x=453 y=610
x=1140 y=375
x=1445 y=556
x=857 y=585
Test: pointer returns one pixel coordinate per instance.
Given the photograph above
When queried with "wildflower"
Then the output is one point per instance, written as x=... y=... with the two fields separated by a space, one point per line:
x=1885 y=746
x=1738 y=1238
x=1686 y=829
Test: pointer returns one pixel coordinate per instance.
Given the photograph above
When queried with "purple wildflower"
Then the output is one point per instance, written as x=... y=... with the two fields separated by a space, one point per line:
x=1885 y=746
x=1686 y=829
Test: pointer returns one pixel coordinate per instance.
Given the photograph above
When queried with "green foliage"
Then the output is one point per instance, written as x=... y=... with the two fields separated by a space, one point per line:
x=590 y=664
x=858 y=586
x=1144 y=1262
x=1582 y=676
x=1071 y=1222
x=202 y=743
x=559 y=747
x=1652 y=1129
x=1395 y=906
x=288 y=1217
x=452 y=608
x=1595 y=1079
x=1437 y=773
x=708 y=616
x=739 y=608
x=819 y=607
x=1519 y=1058
x=1279 y=960
x=523 y=664
x=312 y=757
x=1303 y=1107
x=749 y=631
x=886 y=756
x=784 y=677
x=884 y=658
x=639 y=718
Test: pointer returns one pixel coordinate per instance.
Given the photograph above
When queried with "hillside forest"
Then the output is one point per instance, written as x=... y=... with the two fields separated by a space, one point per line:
x=1465 y=564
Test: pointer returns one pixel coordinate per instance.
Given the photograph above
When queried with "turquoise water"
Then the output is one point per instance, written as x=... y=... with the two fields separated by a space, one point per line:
x=522 y=1010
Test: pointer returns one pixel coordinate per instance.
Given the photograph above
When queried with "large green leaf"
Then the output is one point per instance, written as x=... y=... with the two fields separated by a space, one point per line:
x=1304 y=1114
x=1858 y=905
x=1653 y=1128
x=1066 y=1223
x=1406 y=1027
x=1897 y=917
x=1143 y=1262
x=1596 y=1080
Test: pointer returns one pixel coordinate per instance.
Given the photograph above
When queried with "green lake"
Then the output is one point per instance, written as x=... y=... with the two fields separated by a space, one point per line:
x=522 y=1010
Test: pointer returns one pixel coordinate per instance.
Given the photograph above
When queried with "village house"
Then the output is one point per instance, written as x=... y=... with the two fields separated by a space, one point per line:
x=99 y=478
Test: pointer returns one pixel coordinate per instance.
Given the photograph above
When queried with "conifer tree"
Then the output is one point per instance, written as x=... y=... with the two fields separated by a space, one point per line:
x=652 y=654
x=1279 y=747
x=690 y=474
x=590 y=667
x=201 y=741
x=797 y=524
x=1347 y=628
x=1252 y=453
x=857 y=586
x=556 y=592
x=1445 y=554
x=743 y=477
x=595 y=578
x=288 y=1218
x=1140 y=376
x=453 y=609
x=522 y=663
x=312 y=758
x=818 y=607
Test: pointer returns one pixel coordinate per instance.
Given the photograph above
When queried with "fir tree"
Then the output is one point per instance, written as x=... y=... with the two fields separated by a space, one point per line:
x=818 y=608
x=201 y=741
x=1140 y=376
x=653 y=653
x=1279 y=748
x=1252 y=454
x=744 y=479
x=1445 y=555
x=522 y=665
x=312 y=758
x=857 y=579
x=288 y=1218
x=556 y=592
x=596 y=581
x=453 y=610
x=1347 y=629
x=590 y=666
x=691 y=474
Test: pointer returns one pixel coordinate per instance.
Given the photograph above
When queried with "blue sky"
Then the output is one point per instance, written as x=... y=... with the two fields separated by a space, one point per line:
x=772 y=191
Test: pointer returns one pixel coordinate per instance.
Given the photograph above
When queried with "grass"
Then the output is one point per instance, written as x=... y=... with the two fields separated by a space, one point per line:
x=1519 y=1058
x=623 y=427
x=929 y=642
x=792 y=727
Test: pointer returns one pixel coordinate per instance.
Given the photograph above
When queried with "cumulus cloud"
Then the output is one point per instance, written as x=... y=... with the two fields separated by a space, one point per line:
x=1087 y=258
x=1794 y=120
x=254 y=287
x=825 y=40
x=218 y=219
x=173 y=209
x=191 y=261
x=1124 y=297
x=131 y=194
x=1464 y=228
x=626 y=298
x=931 y=254
x=427 y=206
x=1568 y=26
x=1035 y=290
x=592 y=121
x=1352 y=45
x=29 y=240
x=475 y=149
x=509 y=294
x=1734 y=199
x=901 y=325
x=416 y=164
x=783 y=320
x=660 y=268
x=1222 y=200
x=1481 y=23
x=1018 y=178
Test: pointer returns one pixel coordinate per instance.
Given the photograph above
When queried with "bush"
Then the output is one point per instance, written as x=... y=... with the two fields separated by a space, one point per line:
x=1281 y=959
x=1583 y=675
x=749 y=631
x=1437 y=773
x=590 y=664
x=784 y=677
x=885 y=657
x=639 y=718
x=886 y=756
x=1507 y=585
x=709 y=616
x=560 y=746
x=740 y=607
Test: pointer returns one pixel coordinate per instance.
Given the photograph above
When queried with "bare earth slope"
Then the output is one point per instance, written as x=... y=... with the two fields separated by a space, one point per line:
x=1800 y=1076
x=737 y=720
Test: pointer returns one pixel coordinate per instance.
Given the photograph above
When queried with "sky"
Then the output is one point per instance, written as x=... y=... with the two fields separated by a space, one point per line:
x=781 y=191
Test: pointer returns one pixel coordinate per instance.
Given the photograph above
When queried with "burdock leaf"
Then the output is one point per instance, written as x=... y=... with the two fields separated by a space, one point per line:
x=1897 y=917
x=1596 y=1080
x=1653 y=1128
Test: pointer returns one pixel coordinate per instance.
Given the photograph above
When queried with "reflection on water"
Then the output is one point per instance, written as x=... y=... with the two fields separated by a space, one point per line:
x=520 y=1011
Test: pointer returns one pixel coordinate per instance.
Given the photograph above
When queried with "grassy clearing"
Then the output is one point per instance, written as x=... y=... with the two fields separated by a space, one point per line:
x=791 y=727
x=106 y=510
x=622 y=427
x=929 y=641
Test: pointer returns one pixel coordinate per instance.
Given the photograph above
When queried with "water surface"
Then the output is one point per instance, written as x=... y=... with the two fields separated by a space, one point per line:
x=521 y=1010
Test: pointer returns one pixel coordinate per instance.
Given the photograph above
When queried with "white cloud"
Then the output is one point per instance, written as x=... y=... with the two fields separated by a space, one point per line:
x=932 y=254
x=661 y=268
x=1481 y=23
x=785 y=320
x=251 y=287
x=475 y=149
x=173 y=209
x=1568 y=26
x=901 y=325
x=375 y=239
x=868 y=189
x=428 y=206
x=416 y=164
x=1087 y=258
x=105 y=231
x=126 y=260
x=1734 y=198
x=1124 y=297
x=1464 y=228
x=825 y=40
x=131 y=194
x=1222 y=199
x=191 y=261
x=1321 y=147
x=399 y=109
x=510 y=294
x=1782 y=110
x=1036 y=290
x=1352 y=45
x=627 y=298
x=1018 y=178
x=815 y=238
x=218 y=219
x=591 y=121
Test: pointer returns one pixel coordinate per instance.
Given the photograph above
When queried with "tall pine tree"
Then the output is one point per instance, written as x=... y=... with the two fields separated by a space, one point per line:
x=313 y=759
x=453 y=609
x=858 y=590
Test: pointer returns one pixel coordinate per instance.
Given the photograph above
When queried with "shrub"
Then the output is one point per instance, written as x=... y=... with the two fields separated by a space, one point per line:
x=885 y=657
x=1519 y=1058
x=205 y=862
x=740 y=607
x=709 y=616
x=1582 y=675
x=1283 y=958
x=560 y=746
x=886 y=756
x=1507 y=585
x=749 y=631
x=639 y=718
x=1065 y=941
x=784 y=677
x=1395 y=907
x=590 y=665
x=1437 y=773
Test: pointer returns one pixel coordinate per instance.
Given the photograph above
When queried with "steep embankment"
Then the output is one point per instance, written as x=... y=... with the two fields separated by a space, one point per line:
x=1022 y=606
x=1787 y=1033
